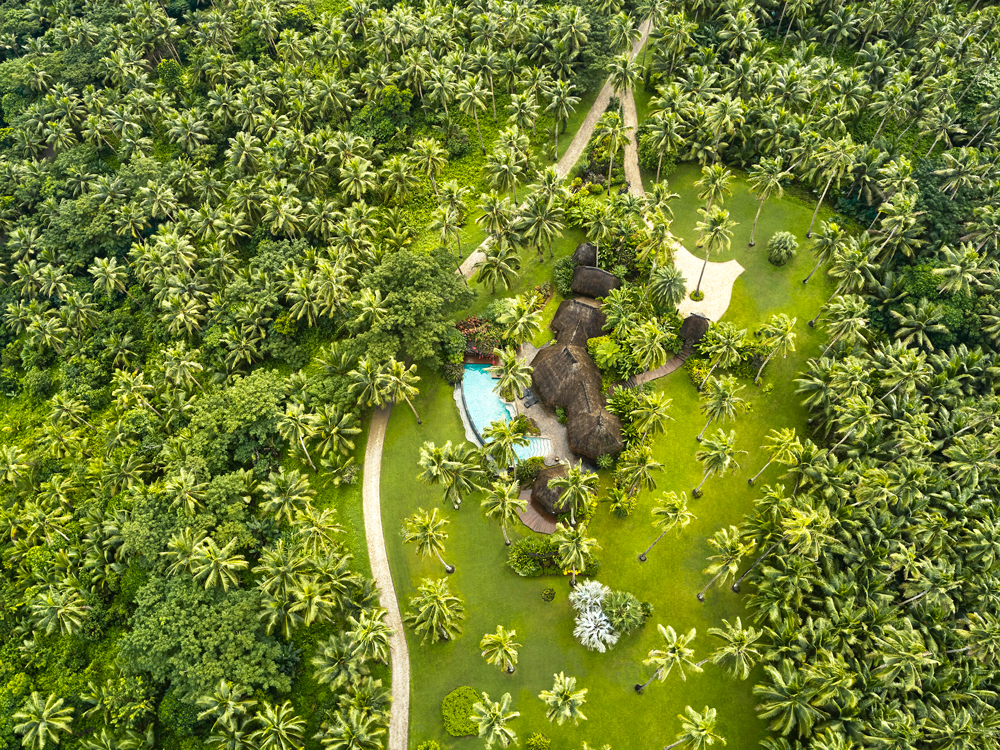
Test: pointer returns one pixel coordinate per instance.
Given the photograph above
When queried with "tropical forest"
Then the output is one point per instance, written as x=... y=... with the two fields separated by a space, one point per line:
x=543 y=374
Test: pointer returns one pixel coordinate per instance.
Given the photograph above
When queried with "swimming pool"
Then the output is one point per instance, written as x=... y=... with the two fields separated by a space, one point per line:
x=483 y=405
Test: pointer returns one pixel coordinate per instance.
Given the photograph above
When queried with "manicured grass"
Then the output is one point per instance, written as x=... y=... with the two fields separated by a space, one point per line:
x=495 y=595
x=574 y=122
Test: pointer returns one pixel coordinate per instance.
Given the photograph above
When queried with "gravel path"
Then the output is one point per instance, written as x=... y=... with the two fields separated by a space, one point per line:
x=576 y=148
x=632 y=174
x=399 y=717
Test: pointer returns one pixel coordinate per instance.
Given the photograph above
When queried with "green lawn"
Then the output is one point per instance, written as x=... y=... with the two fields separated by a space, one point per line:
x=495 y=595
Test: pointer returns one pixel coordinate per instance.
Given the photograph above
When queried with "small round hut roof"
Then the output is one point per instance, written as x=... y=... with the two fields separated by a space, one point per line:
x=560 y=373
x=694 y=327
x=577 y=320
x=593 y=431
x=585 y=254
x=543 y=495
x=594 y=282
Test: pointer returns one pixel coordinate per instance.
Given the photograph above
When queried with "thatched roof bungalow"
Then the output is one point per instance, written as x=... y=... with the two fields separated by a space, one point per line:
x=545 y=497
x=577 y=320
x=593 y=282
x=694 y=328
x=585 y=254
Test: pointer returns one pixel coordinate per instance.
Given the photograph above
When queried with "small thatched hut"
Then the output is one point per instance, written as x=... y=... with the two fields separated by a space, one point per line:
x=694 y=328
x=595 y=432
x=577 y=320
x=585 y=254
x=593 y=282
x=544 y=496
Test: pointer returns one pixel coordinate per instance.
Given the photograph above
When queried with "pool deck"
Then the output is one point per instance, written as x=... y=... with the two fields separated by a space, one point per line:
x=534 y=517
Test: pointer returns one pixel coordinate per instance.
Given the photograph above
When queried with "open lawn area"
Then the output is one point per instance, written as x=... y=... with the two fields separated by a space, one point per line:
x=495 y=595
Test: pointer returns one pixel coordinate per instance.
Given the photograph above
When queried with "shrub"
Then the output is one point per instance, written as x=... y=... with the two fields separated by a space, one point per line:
x=562 y=275
x=624 y=611
x=454 y=372
x=605 y=461
x=527 y=471
x=530 y=556
x=429 y=745
x=697 y=295
x=781 y=248
x=548 y=595
x=537 y=742
x=456 y=708
x=561 y=415
x=621 y=504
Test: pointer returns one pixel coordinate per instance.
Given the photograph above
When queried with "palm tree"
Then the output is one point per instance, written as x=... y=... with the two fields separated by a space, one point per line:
x=42 y=722
x=564 y=700
x=675 y=654
x=540 y=222
x=719 y=401
x=502 y=504
x=648 y=341
x=730 y=548
x=766 y=178
x=669 y=513
x=779 y=334
x=636 y=467
x=623 y=73
x=500 y=264
x=503 y=168
x=716 y=233
x=426 y=530
x=491 y=720
x=614 y=132
x=845 y=319
x=471 y=97
x=650 y=414
x=500 y=649
x=109 y=277
x=429 y=158
x=667 y=287
x=782 y=443
x=718 y=455
x=577 y=487
x=215 y=566
x=520 y=319
x=737 y=649
x=832 y=160
x=226 y=702
x=715 y=185
x=295 y=425
x=562 y=104
x=723 y=341
x=830 y=239
x=353 y=730
x=697 y=729
x=368 y=382
x=664 y=131
x=370 y=634
x=502 y=438
x=399 y=381
x=437 y=613
x=336 y=662
x=512 y=374
x=285 y=493
x=574 y=547
x=279 y=727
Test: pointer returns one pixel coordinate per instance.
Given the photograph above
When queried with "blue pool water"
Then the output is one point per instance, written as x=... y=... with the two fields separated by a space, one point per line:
x=483 y=406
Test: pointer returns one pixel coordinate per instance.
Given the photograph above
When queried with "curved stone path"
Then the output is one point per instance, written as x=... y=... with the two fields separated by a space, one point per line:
x=399 y=656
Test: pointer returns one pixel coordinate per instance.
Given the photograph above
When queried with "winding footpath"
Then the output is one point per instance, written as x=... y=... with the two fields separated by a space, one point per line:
x=399 y=656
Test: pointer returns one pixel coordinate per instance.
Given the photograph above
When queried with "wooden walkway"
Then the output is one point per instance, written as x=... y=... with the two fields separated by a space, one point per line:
x=644 y=377
x=534 y=517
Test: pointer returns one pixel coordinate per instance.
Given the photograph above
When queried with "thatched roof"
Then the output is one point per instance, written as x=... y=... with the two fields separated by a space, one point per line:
x=585 y=254
x=577 y=320
x=543 y=495
x=595 y=432
x=694 y=327
x=593 y=282
x=566 y=376
x=560 y=373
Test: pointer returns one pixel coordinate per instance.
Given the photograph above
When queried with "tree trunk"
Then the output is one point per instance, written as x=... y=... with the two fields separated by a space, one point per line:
x=449 y=569
x=482 y=146
x=928 y=154
x=659 y=163
x=756 y=476
x=611 y=164
x=434 y=185
x=700 y=434
x=753 y=231
x=302 y=443
x=642 y=557
x=710 y=371
x=835 y=340
x=643 y=686
x=702 y=274
x=493 y=98
x=701 y=594
x=815 y=268
x=736 y=586
x=757 y=379
x=818 y=204
x=506 y=539
x=410 y=404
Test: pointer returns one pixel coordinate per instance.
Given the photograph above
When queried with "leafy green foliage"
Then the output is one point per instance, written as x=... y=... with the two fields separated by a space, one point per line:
x=456 y=708
x=781 y=248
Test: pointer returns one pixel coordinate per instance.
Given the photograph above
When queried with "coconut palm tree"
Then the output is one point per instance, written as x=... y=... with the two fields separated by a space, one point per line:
x=429 y=158
x=42 y=722
x=225 y=703
x=562 y=104
x=724 y=342
x=715 y=184
x=540 y=222
x=502 y=504
x=368 y=382
x=352 y=730
x=471 y=97
x=716 y=233
x=737 y=650
x=698 y=729
x=614 y=133
x=719 y=401
x=573 y=547
x=215 y=566
x=830 y=239
x=730 y=548
x=636 y=467
x=279 y=727
x=503 y=169
x=831 y=161
x=180 y=365
x=670 y=512
x=778 y=334
x=512 y=374
x=336 y=662
x=664 y=129
x=500 y=265
x=370 y=634
x=426 y=531
x=675 y=653
x=296 y=425
x=564 y=700
x=399 y=381
x=500 y=649
x=717 y=454
x=651 y=414
x=577 y=487
x=502 y=438
x=765 y=179
x=520 y=319
x=845 y=319
x=437 y=613
x=781 y=444
x=491 y=720
x=285 y=494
